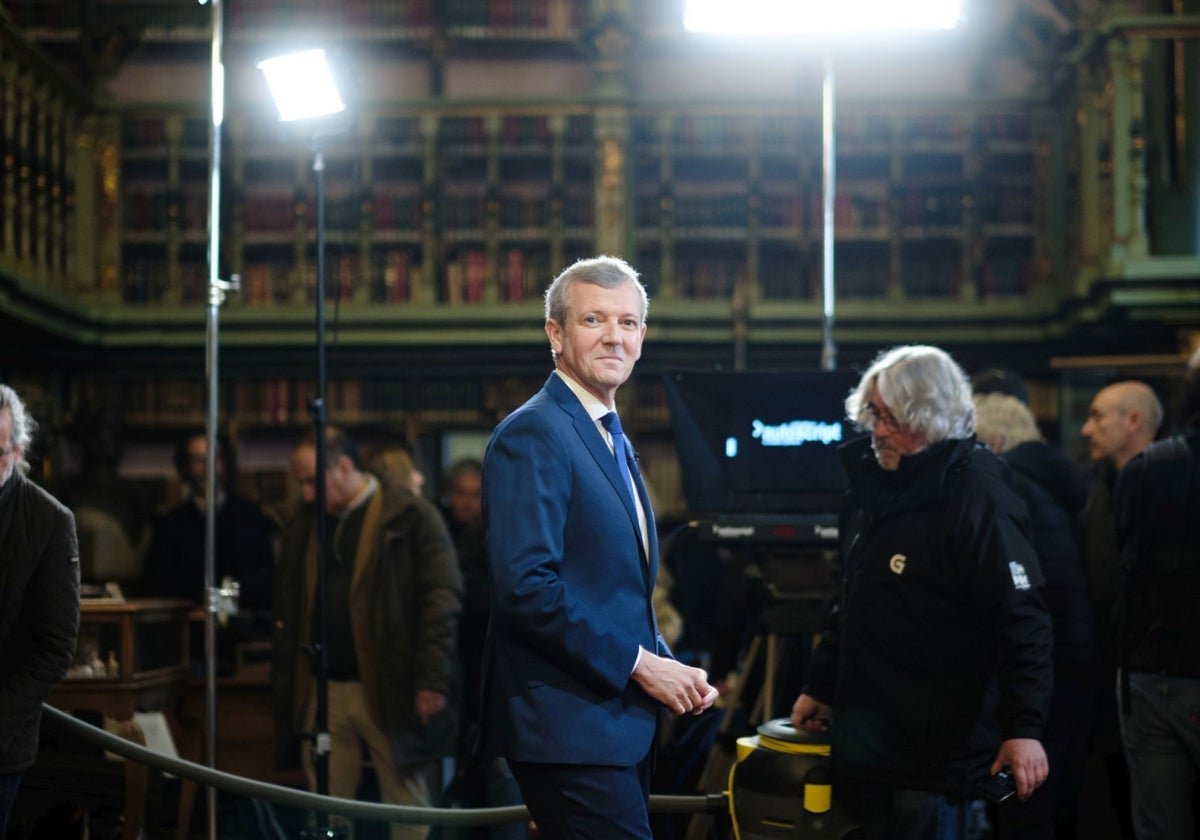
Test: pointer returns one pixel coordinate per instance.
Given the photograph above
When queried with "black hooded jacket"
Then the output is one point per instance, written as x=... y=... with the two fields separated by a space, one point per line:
x=1158 y=500
x=939 y=646
x=39 y=611
x=1055 y=490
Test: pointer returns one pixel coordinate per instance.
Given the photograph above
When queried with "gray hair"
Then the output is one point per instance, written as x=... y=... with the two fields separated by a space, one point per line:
x=23 y=425
x=1005 y=417
x=924 y=389
x=609 y=272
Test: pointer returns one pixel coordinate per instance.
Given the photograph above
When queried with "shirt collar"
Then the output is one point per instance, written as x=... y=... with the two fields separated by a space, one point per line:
x=369 y=487
x=593 y=406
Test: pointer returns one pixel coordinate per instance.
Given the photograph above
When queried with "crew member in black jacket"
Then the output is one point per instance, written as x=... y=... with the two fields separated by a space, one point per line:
x=39 y=598
x=1055 y=491
x=1158 y=516
x=935 y=665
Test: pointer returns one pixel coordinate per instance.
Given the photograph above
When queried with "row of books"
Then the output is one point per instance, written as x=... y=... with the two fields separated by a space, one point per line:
x=152 y=132
x=150 y=210
x=788 y=133
x=146 y=281
x=939 y=205
x=1006 y=275
x=260 y=14
x=266 y=284
x=73 y=15
x=279 y=401
x=520 y=213
x=1007 y=205
x=284 y=401
x=707 y=279
x=725 y=133
x=554 y=17
x=852 y=211
x=516 y=131
x=396 y=276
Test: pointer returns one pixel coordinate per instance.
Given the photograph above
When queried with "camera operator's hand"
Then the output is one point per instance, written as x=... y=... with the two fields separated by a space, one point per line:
x=810 y=713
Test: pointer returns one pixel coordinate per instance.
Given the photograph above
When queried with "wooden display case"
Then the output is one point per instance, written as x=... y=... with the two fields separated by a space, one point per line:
x=131 y=656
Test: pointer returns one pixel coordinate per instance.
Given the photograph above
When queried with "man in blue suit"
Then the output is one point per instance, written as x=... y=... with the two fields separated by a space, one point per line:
x=575 y=670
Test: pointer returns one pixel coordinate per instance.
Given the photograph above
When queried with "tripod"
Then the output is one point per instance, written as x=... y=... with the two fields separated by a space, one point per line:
x=782 y=625
x=794 y=582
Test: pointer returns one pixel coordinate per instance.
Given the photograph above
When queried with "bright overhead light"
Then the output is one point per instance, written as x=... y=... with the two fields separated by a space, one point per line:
x=302 y=85
x=805 y=17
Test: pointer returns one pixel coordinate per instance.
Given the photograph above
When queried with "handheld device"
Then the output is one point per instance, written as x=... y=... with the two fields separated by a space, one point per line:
x=999 y=787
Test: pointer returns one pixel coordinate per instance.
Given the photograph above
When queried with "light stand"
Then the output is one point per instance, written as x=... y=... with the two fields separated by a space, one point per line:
x=828 y=190
x=775 y=19
x=217 y=289
x=303 y=89
x=320 y=419
x=765 y=19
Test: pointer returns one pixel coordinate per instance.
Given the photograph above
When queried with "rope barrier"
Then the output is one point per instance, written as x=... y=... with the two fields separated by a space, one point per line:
x=303 y=800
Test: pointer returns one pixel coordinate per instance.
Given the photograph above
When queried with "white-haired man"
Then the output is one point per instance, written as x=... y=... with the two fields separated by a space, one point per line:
x=39 y=598
x=936 y=661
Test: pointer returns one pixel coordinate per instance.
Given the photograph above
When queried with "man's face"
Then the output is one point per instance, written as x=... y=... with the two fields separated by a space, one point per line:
x=9 y=451
x=197 y=462
x=602 y=337
x=890 y=439
x=337 y=491
x=464 y=497
x=1108 y=427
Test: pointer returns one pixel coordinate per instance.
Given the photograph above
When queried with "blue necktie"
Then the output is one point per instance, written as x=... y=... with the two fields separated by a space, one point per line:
x=620 y=449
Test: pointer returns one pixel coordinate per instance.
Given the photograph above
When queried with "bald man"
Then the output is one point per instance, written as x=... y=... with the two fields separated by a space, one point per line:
x=1122 y=421
x=1156 y=497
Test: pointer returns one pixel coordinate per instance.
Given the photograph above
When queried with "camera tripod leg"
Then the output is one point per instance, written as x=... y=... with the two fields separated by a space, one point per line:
x=715 y=776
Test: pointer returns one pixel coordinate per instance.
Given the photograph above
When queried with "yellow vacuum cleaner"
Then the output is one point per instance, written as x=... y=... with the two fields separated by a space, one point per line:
x=781 y=786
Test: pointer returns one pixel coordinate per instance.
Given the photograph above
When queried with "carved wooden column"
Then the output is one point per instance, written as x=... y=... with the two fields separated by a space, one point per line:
x=366 y=208
x=557 y=124
x=101 y=224
x=172 y=291
x=24 y=181
x=8 y=177
x=39 y=176
x=610 y=40
x=1095 y=171
x=492 y=124
x=663 y=148
x=1126 y=59
x=425 y=285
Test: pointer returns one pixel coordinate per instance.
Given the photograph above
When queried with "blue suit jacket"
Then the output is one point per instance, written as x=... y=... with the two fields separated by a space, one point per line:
x=571 y=591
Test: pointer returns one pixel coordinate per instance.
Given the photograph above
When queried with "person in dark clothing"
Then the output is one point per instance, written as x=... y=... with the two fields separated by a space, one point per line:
x=462 y=509
x=112 y=516
x=1055 y=491
x=39 y=598
x=1157 y=501
x=1123 y=419
x=935 y=663
x=478 y=782
x=392 y=598
x=174 y=566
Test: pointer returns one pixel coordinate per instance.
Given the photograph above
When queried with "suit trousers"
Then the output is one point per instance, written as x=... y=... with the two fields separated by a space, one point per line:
x=351 y=731
x=9 y=783
x=586 y=802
